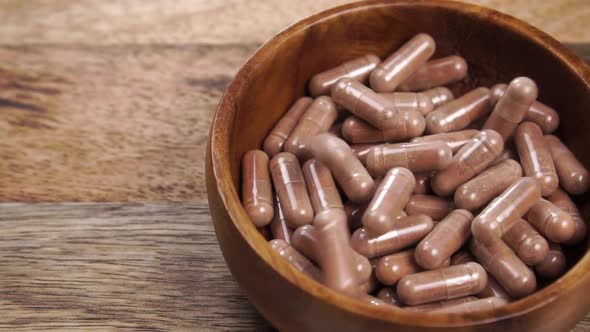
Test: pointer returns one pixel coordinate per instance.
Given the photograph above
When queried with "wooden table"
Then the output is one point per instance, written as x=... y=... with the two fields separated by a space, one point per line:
x=104 y=113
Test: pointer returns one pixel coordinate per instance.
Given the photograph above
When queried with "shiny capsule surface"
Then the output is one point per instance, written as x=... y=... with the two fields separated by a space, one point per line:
x=554 y=264
x=273 y=143
x=551 y=221
x=417 y=157
x=407 y=231
x=455 y=140
x=490 y=183
x=573 y=176
x=439 y=96
x=489 y=303
x=410 y=124
x=322 y=190
x=565 y=203
x=459 y=113
x=290 y=187
x=347 y=170
x=498 y=216
x=530 y=246
x=357 y=69
x=502 y=263
x=391 y=196
x=256 y=188
x=305 y=240
x=443 y=284
x=436 y=73
x=445 y=239
x=438 y=305
x=391 y=268
x=492 y=288
x=430 y=205
x=512 y=106
x=402 y=63
x=388 y=295
x=362 y=150
x=535 y=157
x=317 y=118
x=422 y=183
x=410 y=101
x=473 y=158
x=278 y=226
x=299 y=261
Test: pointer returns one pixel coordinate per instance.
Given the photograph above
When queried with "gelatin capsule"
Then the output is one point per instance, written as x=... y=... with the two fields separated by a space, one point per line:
x=433 y=206
x=535 y=157
x=554 y=264
x=410 y=101
x=492 y=289
x=573 y=176
x=388 y=295
x=391 y=268
x=489 y=303
x=357 y=69
x=322 y=190
x=256 y=188
x=438 y=305
x=554 y=223
x=417 y=157
x=273 y=143
x=564 y=202
x=455 y=140
x=459 y=113
x=436 y=73
x=439 y=96
x=355 y=130
x=278 y=226
x=299 y=261
x=530 y=246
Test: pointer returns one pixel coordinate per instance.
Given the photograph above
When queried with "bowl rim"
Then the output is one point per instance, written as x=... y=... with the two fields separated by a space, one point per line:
x=223 y=123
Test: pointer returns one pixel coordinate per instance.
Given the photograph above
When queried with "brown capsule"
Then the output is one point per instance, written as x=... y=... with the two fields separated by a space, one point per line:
x=347 y=170
x=436 y=73
x=502 y=263
x=357 y=69
x=573 y=176
x=473 y=158
x=489 y=303
x=437 y=305
x=554 y=264
x=371 y=300
x=278 y=226
x=410 y=101
x=370 y=285
x=443 y=284
x=388 y=295
x=417 y=157
x=355 y=130
x=480 y=190
x=508 y=153
x=402 y=63
x=535 y=157
x=273 y=143
x=564 y=202
x=439 y=96
x=461 y=257
x=318 y=118
x=422 y=183
x=290 y=187
x=539 y=113
x=362 y=150
x=554 y=223
x=407 y=231
x=322 y=190
x=335 y=256
x=445 y=239
x=391 y=268
x=299 y=261
x=455 y=140
x=530 y=246
x=390 y=198
x=459 y=113
x=505 y=210
x=256 y=188
x=512 y=106
x=492 y=289
x=433 y=206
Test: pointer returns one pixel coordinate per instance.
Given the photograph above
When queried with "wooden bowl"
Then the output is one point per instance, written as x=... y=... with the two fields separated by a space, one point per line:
x=497 y=47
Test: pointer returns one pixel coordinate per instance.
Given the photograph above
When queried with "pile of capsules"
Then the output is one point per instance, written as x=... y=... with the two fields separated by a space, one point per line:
x=451 y=205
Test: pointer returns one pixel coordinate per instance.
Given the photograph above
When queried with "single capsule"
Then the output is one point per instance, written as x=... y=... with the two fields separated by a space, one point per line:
x=554 y=223
x=436 y=73
x=502 y=263
x=505 y=210
x=459 y=113
x=530 y=246
x=273 y=143
x=278 y=226
x=473 y=158
x=438 y=305
x=335 y=256
x=492 y=289
x=535 y=157
x=410 y=101
x=256 y=188
x=407 y=231
x=299 y=261
x=318 y=118
x=388 y=295
x=539 y=113
x=417 y=157
x=512 y=106
x=411 y=124
x=489 y=303
x=564 y=202
x=322 y=190
x=455 y=140
x=433 y=206
x=490 y=183
x=390 y=198
x=391 y=268
x=439 y=96
x=402 y=63
x=290 y=187
x=445 y=239
x=443 y=284
x=347 y=170
x=573 y=176
x=422 y=183
x=357 y=69
x=362 y=150
x=554 y=264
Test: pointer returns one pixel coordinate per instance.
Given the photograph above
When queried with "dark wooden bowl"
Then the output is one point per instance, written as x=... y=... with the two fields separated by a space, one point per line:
x=497 y=48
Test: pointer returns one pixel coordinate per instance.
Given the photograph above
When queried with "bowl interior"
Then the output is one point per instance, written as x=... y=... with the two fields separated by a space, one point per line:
x=497 y=48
